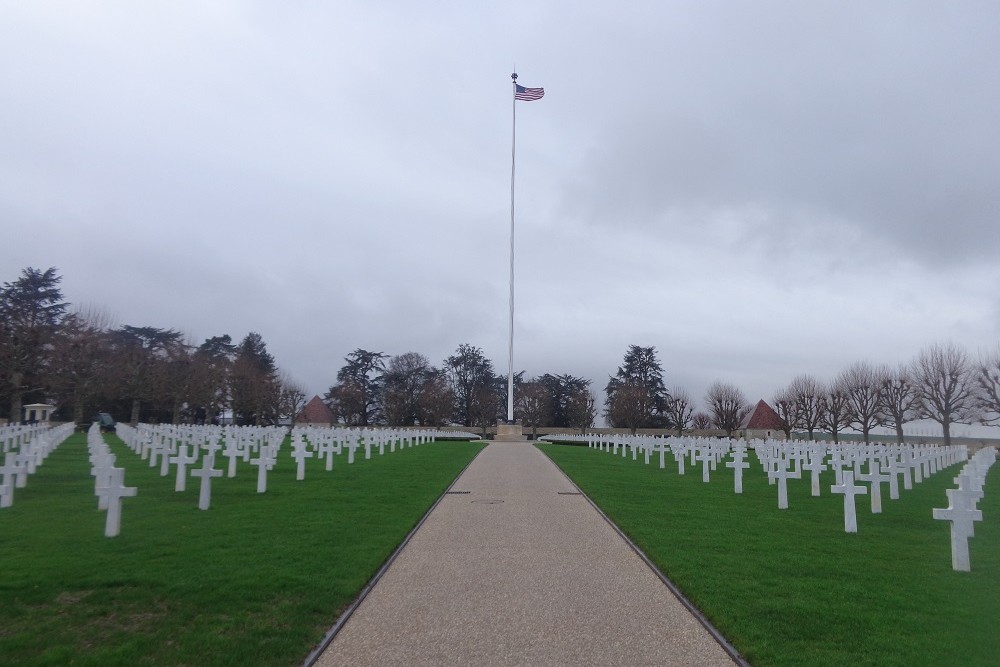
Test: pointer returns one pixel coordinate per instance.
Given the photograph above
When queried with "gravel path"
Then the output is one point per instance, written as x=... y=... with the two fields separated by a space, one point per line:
x=517 y=573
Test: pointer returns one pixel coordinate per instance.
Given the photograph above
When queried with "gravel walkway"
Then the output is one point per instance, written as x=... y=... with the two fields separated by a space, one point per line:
x=519 y=572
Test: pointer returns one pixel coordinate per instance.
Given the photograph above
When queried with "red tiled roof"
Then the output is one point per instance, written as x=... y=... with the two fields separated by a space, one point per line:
x=764 y=418
x=315 y=412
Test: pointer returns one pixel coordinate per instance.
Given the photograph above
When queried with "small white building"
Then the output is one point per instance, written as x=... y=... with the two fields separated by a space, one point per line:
x=37 y=412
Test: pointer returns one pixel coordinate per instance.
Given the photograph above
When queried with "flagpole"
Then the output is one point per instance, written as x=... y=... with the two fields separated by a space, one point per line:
x=510 y=346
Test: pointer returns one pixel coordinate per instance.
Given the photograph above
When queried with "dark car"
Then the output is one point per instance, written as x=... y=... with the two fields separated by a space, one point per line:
x=106 y=422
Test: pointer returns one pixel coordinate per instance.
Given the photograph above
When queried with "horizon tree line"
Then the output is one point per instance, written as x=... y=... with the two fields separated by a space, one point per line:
x=407 y=390
x=83 y=362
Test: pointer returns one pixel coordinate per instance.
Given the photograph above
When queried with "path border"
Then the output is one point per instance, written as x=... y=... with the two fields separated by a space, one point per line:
x=716 y=635
x=343 y=618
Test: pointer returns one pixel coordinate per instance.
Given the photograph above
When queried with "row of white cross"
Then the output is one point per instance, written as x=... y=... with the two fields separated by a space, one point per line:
x=109 y=481
x=25 y=448
x=962 y=508
x=184 y=446
x=12 y=436
x=876 y=464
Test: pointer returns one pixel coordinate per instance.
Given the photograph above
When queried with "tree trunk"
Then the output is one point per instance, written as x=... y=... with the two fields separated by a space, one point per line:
x=946 y=430
x=15 y=407
x=16 y=394
x=134 y=419
x=900 y=438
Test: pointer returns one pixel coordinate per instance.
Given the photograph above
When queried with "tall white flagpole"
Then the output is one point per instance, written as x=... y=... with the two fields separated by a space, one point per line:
x=510 y=347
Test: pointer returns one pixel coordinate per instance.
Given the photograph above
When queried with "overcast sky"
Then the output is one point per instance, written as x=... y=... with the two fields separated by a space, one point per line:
x=758 y=189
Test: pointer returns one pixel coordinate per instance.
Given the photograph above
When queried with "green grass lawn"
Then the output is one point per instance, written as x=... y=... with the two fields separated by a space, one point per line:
x=789 y=587
x=255 y=580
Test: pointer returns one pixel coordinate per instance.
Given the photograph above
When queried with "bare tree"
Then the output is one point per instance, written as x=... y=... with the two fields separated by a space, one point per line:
x=944 y=385
x=728 y=406
x=701 y=421
x=863 y=383
x=533 y=405
x=629 y=407
x=899 y=399
x=486 y=404
x=679 y=410
x=79 y=357
x=835 y=415
x=139 y=363
x=402 y=381
x=436 y=402
x=292 y=398
x=581 y=409
x=784 y=405
x=211 y=377
x=807 y=394
x=987 y=376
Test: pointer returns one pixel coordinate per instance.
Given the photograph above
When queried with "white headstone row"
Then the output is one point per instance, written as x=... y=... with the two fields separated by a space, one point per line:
x=963 y=510
x=875 y=464
x=184 y=446
x=109 y=481
x=12 y=436
x=28 y=450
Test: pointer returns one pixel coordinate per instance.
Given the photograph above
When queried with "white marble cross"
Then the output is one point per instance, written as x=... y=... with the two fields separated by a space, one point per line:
x=8 y=475
x=738 y=464
x=906 y=461
x=962 y=515
x=112 y=493
x=895 y=469
x=782 y=474
x=22 y=460
x=679 y=456
x=815 y=467
x=233 y=453
x=875 y=477
x=207 y=471
x=705 y=457
x=300 y=452
x=351 y=447
x=849 y=490
x=328 y=449
x=263 y=463
x=182 y=460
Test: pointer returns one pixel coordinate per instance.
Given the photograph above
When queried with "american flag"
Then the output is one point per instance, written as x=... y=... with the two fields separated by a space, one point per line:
x=528 y=94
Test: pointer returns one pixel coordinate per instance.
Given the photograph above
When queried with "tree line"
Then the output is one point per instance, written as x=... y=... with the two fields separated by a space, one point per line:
x=406 y=389
x=942 y=383
x=83 y=363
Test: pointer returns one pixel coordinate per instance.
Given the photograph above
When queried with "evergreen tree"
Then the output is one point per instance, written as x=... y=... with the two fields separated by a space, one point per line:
x=31 y=310
x=643 y=398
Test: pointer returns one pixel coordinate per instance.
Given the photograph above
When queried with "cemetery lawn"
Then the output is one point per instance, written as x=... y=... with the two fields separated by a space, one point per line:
x=790 y=587
x=255 y=580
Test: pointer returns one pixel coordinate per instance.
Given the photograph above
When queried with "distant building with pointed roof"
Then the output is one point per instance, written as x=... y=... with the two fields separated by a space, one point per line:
x=315 y=413
x=763 y=422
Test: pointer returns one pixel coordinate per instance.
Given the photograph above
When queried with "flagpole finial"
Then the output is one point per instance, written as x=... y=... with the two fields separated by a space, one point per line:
x=514 y=76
